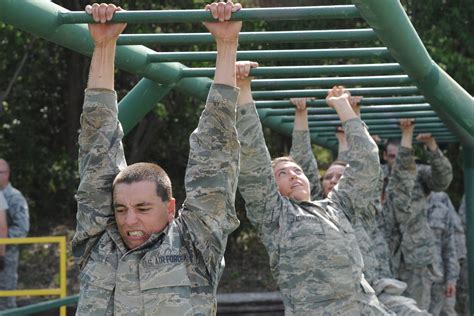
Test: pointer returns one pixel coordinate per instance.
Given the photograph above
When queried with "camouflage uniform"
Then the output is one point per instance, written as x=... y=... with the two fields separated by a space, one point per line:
x=18 y=220
x=371 y=241
x=441 y=214
x=313 y=252
x=417 y=244
x=175 y=272
x=462 y=289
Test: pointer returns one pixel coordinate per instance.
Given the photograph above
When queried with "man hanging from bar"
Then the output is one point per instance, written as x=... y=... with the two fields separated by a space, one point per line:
x=135 y=257
x=314 y=255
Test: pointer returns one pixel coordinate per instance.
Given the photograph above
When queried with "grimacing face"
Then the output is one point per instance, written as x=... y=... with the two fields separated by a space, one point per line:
x=291 y=181
x=390 y=155
x=332 y=177
x=140 y=212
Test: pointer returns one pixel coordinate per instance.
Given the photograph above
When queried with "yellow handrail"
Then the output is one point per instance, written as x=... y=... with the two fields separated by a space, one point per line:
x=62 y=291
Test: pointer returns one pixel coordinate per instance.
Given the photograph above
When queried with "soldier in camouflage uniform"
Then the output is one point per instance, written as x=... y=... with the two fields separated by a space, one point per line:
x=417 y=244
x=135 y=257
x=3 y=228
x=441 y=219
x=372 y=244
x=313 y=252
x=18 y=221
x=462 y=290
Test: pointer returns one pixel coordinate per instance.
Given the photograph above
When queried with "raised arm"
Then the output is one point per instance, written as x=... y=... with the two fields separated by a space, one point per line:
x=357 y=187
x=256 y=180
x=213 y=165
x=101 y=154
x=403 y=176
x=439 y=174
x=301 y=150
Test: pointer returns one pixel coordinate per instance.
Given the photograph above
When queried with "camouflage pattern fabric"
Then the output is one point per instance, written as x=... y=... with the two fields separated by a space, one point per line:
x=18 y=220
x=462 y=288
x=314 y=255
x=175 y=272
x=446 y=260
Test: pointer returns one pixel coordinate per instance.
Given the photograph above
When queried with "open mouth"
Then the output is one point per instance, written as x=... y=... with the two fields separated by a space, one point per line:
x=136 y=233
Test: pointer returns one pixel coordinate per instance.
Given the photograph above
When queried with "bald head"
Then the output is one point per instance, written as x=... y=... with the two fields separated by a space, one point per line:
x=4 y=173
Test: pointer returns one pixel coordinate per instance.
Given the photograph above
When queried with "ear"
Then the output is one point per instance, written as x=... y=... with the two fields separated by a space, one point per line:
x=171 y=209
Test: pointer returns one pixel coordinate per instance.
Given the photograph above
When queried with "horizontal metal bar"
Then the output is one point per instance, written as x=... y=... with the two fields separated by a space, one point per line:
x=391 y=126
x=384 y=109
x=250 y=37
x=253 y=14
x=357 y=69
x=330 y=81
x=330 y=132
x=313 y=123
x=42 y=306
x=395 y=101
x=260 y=55
x=32 y=240
x=441 y=139
x=31 y=292
x=321 y=93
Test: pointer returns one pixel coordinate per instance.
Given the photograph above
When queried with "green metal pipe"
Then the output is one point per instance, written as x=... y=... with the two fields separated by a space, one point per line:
x=41 y=307
x=397 y=115
x=383 y=109
x=250 y=37
x=391 y=126
x=452 y=103
x=253 y=14
x=330 y=81
x=260 y=55
x=469 y=193
x=146 y=93
x=440 y=140
x=321 y=93
x=385 y=133
x=40 y=18
x=363 y=102
x=294 y=71
x=367 y=121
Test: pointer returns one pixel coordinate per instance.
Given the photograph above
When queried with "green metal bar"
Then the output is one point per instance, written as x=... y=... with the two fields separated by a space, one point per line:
x=321 y=93
x=253 y=14
x=452 y=103
x=384 y=133
x=376 y=102
x=330 y=81
x=146 y=94
x=294 y=71
x=313 y=122
x=40 y=307
x=367 y=109
x=469 y=193
x=250 y=37
x=381 y=115
x=40 y=18
x=260 y=55
x=390 y=126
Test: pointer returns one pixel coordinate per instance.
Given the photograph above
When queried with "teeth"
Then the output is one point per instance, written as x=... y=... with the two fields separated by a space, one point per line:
x=136 y=233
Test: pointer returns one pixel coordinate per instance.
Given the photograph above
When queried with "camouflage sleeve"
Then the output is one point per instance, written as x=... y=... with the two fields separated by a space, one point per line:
x=439 y=174
x=101 y=158
x=343 y=155
x=358 y=185
x=257 y=184
x=211 y=176
x=400 y=185
x=18 y=217
x=302 y=152
x=450 y=257
x=462 y=212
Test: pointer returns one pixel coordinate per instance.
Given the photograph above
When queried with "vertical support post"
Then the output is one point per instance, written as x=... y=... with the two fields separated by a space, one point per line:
x=469 y=192
x=62 y=273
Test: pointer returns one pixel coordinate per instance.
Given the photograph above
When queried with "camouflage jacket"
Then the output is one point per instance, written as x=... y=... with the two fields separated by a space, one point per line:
x=396 y=210
x=175 y=272
x=446 y=262
x=418 y=240
x=18 y=218
x=459 y=234
x=313 y=252
x=372 y=245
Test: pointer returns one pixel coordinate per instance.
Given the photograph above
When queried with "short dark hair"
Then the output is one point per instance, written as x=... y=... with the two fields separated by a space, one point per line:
x=144 y=171
x=338 y=163
x=391 y=141
x=277 y=160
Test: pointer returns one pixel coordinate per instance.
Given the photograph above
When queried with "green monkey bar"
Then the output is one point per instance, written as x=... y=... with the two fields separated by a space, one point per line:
x=414 y=87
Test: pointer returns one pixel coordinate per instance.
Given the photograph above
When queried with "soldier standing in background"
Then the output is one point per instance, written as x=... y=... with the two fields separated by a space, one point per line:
x=462 y=290
x=18 y=221
x=135 y=257
x=417 y=244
